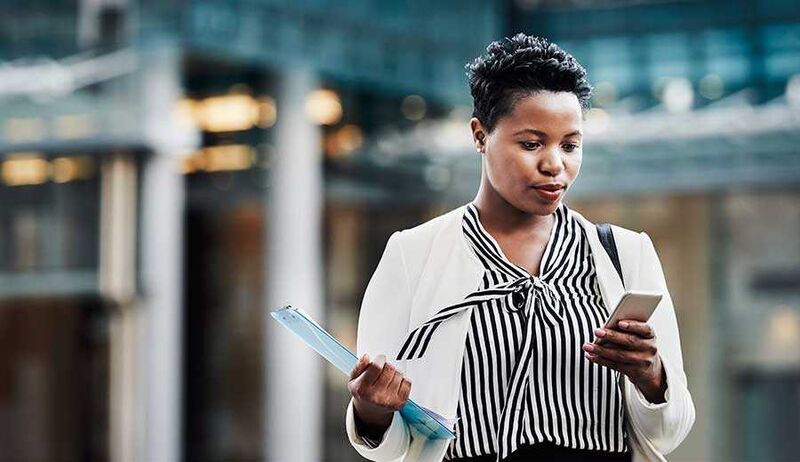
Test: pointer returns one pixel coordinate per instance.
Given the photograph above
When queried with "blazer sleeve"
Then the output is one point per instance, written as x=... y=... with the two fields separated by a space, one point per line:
x=382 y=324
x=663 y=425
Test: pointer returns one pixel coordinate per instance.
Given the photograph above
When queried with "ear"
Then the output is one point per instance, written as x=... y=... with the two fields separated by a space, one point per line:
x=479 y=134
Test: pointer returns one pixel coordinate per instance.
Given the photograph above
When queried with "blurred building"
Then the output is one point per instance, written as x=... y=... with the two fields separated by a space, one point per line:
x=173 y=170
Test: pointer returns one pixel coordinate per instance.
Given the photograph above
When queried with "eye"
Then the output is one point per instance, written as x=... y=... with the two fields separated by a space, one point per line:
x=569 y=147
x=530 y=145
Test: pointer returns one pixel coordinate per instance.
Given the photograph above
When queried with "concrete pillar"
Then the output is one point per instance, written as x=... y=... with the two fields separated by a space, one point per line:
x=118 y=217
x=162 y=255
x=162 y=239
x=293 y=372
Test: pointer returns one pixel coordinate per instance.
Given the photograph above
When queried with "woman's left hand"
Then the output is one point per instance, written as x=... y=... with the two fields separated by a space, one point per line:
x=630 y=348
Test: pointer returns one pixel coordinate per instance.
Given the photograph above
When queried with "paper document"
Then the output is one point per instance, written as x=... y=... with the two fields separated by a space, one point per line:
x=427 y=422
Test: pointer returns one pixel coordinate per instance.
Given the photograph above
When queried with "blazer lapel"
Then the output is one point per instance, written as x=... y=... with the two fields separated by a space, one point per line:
x=449 y=275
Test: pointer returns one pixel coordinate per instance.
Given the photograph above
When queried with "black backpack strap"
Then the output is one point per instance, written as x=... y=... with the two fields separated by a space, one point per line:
x=607 y=239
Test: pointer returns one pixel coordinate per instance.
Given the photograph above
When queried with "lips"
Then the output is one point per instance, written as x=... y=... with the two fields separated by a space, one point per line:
x=549 y=186
x=549 y=192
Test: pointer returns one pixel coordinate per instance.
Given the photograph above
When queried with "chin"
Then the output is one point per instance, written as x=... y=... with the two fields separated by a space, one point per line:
x=535 y=207
x=548 y=209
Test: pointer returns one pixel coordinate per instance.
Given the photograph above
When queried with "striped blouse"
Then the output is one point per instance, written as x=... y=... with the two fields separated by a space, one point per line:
x=527 y=382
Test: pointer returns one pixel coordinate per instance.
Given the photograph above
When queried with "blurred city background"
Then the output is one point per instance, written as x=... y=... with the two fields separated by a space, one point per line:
x=172 y=170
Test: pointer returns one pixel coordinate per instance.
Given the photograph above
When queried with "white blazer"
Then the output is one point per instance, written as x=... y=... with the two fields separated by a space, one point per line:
x=431 y=266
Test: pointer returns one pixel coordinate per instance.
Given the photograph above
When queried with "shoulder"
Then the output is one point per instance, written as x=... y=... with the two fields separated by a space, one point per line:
x=627 y=234
x=424 y=234
x=437 y=235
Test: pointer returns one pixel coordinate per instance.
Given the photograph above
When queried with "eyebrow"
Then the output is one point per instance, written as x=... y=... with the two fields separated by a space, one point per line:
x=543 y=134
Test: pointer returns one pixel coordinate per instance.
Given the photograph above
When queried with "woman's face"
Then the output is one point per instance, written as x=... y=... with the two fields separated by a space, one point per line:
x=538 y=143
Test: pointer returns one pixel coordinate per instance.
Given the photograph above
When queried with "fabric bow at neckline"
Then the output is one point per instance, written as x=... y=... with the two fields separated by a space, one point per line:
x=525 y=295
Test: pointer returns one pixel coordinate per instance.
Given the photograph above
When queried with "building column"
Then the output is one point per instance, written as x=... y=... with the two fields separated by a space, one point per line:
x=162 y=284
x=293 y=373
x=118 y=217
x=159 y=432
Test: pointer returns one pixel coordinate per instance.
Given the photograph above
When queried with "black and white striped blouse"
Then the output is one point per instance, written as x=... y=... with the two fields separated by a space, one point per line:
x=524 y=378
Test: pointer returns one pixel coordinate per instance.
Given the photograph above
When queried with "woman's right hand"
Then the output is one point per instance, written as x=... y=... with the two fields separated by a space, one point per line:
x=378 y=389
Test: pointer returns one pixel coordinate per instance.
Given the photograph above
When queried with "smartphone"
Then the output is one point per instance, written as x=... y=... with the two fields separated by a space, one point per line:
x=634 y=304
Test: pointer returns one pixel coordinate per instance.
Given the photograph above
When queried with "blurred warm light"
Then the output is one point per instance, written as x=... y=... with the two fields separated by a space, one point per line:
x=678 y=95
x=228 y=113
x=219 y=159
x=267 y=112
x=24 y=129
x=711 y=87
x=793 y=90
x=604 y=93
x=25 y=169
x=324 y=107
x=784 y=328
x=231 y=157
x=414 y=107
x=65 y=169
x=344 y=141
x=74 y=126
x=597 y=121
x=189 y=164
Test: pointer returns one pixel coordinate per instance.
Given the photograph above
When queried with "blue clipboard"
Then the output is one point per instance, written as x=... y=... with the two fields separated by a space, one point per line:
x=427 y=422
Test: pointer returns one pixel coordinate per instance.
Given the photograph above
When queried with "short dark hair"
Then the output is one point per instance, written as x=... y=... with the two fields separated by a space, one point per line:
x=518 y=66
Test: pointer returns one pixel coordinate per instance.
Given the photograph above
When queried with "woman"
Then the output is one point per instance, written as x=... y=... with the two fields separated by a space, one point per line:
x=492 y=308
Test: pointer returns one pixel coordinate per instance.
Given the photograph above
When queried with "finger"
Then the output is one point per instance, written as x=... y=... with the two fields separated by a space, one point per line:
x=373 y=371
x=605 y=362
x=397 y=381
x=613 y=346
x=394 y=391
x=385 y=379
x=360 y=366
x=386 y=391
x=405 y=389
x=379 y=362
x=613 y=354
x=402 y=394
x=620 y=339
x=639 y=328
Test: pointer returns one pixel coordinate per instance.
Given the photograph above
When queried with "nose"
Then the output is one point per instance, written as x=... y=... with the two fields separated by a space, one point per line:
x=551 y=163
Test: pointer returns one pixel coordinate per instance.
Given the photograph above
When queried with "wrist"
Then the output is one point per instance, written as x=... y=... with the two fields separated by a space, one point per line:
x=371 y=424
x=654 y=388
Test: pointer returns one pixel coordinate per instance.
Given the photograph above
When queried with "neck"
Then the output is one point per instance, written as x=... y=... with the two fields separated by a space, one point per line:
x=499 y=215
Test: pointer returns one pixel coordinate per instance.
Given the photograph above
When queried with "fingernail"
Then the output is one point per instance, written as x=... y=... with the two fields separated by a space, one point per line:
x=587 y=356
x=624 y=324
x=600 y=332
x=588 y=347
